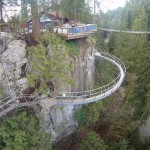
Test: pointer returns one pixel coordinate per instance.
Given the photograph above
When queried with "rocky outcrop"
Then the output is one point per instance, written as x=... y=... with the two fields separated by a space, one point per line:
x=13 y=58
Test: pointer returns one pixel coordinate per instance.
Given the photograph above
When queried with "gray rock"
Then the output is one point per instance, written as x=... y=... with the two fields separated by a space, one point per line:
x=5 y=39
x=60 y=121
x=12 y=60
x=15 y=51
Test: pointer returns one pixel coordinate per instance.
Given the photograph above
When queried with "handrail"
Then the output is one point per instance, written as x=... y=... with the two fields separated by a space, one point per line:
x=105 y=86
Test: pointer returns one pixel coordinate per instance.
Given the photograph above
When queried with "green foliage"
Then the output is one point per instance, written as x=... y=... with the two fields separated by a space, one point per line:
x=146 y=144
x=125 y=112
x=93 y=112
x=91 y=40
x=76 y=9
x=121 y=145
x=73 y=48
x=49 y=60
x=140 y=22
x=140 y=97
x=119 y=118
x=17 y=24
x=24 y=12
x=23 y=132
x=134 y=51
x=140 y=57
x=129 y=110
x=140 y=143
x=91 y=141
x=81 y=117
x=100 y=40
x=47 y=5
x=135 y=139
x=89 y=114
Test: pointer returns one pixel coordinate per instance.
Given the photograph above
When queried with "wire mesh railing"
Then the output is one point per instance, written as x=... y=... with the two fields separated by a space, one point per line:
x=100 y=92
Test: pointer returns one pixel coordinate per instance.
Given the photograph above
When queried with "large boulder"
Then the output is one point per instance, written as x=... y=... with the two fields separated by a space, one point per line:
x=15 y=51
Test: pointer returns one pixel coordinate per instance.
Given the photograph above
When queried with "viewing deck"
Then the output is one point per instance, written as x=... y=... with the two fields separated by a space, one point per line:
x=75 y=32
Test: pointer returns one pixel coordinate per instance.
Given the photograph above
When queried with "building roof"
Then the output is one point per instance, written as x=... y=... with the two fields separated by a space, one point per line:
x=45 y=18
x=48 y=17
x=54 y=15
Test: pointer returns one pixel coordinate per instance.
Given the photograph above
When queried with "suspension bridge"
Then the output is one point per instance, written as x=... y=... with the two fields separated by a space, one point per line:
x=14 y=100
x=124 y=31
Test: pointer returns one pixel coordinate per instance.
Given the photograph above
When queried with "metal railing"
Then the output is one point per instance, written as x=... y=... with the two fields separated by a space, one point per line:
x=98 y=93
x=75 y=30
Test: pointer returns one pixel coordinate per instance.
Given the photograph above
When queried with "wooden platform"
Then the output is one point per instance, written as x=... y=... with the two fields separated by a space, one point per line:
x=73 y=36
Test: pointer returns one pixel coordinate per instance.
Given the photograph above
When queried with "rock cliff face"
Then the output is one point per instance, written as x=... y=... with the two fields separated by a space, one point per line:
x=60 y=119
x=83 y=70
x=12 y=59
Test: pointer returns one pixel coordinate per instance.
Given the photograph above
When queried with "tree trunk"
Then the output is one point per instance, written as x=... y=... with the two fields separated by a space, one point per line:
x=1 y=13
x=35 y=19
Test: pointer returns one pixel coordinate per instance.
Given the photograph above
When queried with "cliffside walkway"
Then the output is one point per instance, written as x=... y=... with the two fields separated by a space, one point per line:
x=84 y=97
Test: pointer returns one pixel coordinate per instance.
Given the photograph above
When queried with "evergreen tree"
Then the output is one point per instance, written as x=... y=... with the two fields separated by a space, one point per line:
x=121 y=145
x=23 y=132
x=35 y=17
x=76 y=10
x=1 y=10
x=91 y=141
